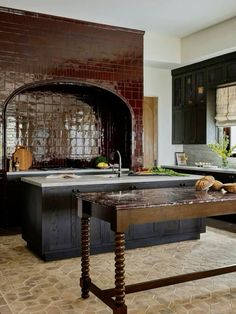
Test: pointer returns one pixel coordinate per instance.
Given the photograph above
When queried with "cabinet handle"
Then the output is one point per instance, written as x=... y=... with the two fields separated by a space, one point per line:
x=75 y=191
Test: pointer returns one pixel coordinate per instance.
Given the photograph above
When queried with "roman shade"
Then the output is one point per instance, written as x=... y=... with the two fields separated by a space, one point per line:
x=226 y=106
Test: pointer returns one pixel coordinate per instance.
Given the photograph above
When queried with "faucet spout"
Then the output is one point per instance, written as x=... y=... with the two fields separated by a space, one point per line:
x=119 y=172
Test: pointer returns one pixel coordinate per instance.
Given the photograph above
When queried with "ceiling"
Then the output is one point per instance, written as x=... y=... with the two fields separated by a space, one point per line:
x=168 y=17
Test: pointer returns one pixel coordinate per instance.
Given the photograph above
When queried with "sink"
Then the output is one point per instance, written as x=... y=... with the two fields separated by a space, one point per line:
x=63 y=176
x=120 y=196
x=109 y=175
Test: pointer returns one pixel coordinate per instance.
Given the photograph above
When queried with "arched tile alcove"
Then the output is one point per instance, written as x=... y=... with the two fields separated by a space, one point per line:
x=67 y=124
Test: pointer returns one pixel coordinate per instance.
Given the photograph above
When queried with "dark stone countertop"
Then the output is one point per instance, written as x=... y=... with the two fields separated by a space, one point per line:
x=148 y=198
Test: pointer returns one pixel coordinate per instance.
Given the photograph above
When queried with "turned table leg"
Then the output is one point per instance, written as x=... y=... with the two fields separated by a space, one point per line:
x=120 y=273
x=85 y=251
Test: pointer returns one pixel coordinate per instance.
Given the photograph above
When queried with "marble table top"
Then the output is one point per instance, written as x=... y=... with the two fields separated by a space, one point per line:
x=124 y=208
x=161 y=197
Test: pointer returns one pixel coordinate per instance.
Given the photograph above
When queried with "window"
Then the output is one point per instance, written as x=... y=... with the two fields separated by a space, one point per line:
x=226 y=114
x=231 y=133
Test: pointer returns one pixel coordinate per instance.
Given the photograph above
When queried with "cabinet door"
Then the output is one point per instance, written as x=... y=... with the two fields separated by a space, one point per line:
x=201 y=125
x=177 y=126
x=216 y=75
x=189 y=125
x=200 y=87
x=142 y=231
x=177 y=92
x=12 y=207
x=189 y=89
x=231 y=71
x=177 y=107
x=60 y=222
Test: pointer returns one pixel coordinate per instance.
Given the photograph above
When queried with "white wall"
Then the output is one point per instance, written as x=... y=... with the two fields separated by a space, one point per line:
x=157 y=83
x=210 y=42
x=164 y=51
x=161 y=53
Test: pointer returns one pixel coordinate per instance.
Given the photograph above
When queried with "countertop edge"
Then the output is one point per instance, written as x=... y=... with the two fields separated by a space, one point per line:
x=94 y=180
x=202 y=169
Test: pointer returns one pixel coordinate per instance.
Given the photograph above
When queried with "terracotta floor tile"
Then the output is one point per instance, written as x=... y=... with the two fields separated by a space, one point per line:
x=29 y=285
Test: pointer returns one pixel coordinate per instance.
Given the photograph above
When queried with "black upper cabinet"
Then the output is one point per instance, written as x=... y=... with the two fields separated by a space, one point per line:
x=216 y=75
x=187 y=126
x=177 y=112
x=230 y=70
x=222 y=73
x=200 y=87
x=190 y=85
x=201 y=125
x=177 y=92
x=177 y=126
x=189 y=90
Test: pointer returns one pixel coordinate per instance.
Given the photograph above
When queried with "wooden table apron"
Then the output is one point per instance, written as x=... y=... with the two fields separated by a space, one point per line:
x=121 y=212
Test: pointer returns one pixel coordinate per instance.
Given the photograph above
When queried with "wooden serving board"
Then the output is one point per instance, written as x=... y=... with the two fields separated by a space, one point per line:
x=24 y=157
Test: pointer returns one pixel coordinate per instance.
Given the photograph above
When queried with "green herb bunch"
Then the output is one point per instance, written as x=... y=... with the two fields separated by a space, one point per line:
x=222 y=148
x=168 y=172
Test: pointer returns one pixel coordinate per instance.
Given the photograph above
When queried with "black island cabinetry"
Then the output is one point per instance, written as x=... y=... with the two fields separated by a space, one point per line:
x=51 y=227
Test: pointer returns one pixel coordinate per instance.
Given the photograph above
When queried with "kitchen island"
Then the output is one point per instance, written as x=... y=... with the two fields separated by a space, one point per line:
x=126 y=208
x=51 y=227
x=10 y=184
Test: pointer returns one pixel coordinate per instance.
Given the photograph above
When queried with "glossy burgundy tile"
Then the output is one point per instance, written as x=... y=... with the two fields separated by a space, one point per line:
x=38 y=48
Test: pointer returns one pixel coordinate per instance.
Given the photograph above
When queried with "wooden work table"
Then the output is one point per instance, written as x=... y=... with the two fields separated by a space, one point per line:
x=125 y=208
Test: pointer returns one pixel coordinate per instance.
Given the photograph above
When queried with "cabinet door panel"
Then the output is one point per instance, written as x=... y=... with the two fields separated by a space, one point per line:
x=177 y=92
x=216 y=75
x=177 y=126
x=142 y=231
x=190 y=225
x=231 y=71
x=168 y=227
x=201 y=125
x=189 y=126
x=189 y=89
x=59 y=225
x=200 y=87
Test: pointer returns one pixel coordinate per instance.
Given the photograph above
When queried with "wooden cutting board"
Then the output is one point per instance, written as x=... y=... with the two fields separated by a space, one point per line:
x=24 y=157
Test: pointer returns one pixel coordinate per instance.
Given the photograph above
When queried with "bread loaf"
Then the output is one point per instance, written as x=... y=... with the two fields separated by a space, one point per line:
x=204 y=183
x=217 y=186
x=230 y=187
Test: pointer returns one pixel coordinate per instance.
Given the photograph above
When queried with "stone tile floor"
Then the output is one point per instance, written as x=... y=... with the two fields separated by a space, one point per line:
x=29 y=285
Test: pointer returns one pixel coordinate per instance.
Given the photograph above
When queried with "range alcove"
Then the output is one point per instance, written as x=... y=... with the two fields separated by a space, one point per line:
x=68 y=125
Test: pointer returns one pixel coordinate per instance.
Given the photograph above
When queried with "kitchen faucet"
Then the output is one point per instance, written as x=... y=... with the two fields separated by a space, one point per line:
x=120 y=163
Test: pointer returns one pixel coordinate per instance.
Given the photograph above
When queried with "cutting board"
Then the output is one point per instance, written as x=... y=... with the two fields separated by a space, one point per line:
x=24 y=157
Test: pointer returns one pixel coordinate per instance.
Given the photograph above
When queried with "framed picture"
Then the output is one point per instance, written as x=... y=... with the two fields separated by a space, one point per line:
x=181 y=159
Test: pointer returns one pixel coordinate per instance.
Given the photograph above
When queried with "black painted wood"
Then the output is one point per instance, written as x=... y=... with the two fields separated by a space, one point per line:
x=51 y=228
x=189 y=96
